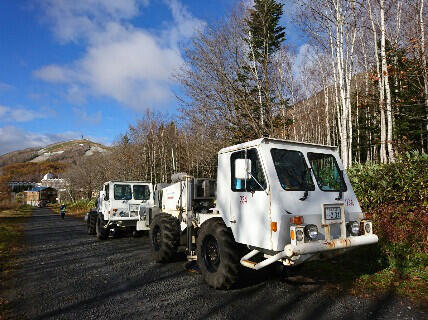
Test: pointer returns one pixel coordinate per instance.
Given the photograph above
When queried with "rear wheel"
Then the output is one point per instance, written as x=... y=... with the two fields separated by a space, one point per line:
x=218 y=254
x=164 y=237
x=102 y=232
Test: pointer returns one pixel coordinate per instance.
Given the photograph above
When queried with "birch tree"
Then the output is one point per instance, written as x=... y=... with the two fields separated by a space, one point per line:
x=333 y=24
x=424 y=60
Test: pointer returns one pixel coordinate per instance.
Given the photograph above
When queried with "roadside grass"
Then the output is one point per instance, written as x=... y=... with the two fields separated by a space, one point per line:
x=75 y=209
x=11 y=234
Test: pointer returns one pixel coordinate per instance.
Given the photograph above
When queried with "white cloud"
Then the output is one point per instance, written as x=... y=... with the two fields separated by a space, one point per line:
x=13 y=138
x=83 y=115
x=129 y=64
x=52 y=73
x=23 y=114
x=77 y=19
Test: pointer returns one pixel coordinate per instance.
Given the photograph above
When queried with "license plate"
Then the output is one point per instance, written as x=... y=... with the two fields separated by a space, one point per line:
x=134 y=207
x=333 y=213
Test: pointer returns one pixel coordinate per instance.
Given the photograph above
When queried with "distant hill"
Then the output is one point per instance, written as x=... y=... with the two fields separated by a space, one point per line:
x=68 y=151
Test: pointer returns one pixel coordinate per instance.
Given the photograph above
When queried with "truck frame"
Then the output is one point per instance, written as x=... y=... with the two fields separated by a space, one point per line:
x=121 y=205
x=275 y=201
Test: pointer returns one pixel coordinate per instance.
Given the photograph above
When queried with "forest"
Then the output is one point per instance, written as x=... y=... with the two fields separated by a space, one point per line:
x=359 y=82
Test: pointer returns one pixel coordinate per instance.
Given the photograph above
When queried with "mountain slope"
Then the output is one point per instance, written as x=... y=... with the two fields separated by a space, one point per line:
x=68 y=151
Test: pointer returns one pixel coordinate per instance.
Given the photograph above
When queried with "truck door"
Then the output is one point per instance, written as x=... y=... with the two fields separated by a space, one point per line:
x=105 y=208
x=249 y=202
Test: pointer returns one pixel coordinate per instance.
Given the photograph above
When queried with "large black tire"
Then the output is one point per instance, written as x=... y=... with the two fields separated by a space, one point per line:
x=137 y=234
x=218 y=254
x=102 y=233
x=164 y=237
x=92 y=221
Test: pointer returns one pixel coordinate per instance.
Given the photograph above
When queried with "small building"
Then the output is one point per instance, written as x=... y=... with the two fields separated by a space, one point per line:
x=20 y=186
x=41 y=196
x=50 y=180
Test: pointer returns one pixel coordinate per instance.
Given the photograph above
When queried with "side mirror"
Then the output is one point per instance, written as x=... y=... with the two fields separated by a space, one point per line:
x=242 y=168
x=103 y=195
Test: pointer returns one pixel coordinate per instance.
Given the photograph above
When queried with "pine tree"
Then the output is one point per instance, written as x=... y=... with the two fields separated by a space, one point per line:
x=267 y=34
x=264 y=37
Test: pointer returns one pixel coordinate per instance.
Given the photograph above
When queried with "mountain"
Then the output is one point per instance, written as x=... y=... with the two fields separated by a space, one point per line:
x=68 y=151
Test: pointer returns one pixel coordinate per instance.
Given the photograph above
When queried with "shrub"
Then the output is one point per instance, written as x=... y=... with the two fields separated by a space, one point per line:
x=395 y=197
x=404 y=181
x=80 y=206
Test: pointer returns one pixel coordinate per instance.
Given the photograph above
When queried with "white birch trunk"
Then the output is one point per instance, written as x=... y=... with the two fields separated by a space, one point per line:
x=424 y=62
x=385 y=75
x=382 y=155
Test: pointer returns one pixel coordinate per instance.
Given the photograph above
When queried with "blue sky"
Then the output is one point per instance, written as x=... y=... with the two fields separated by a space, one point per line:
x=91 y=67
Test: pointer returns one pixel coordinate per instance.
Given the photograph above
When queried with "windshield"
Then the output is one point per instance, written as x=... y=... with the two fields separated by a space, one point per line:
x=141 y=192
x=327 y=172
x=122 y=192
x=292 y=171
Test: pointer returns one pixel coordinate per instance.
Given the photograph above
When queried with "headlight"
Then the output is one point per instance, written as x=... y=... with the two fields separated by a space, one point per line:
x=299 y=235
x=311 y=231
x=367 y=227
x=353 y=228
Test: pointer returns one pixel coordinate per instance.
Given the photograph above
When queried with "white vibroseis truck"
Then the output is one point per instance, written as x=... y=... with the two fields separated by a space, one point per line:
x=275 y=201
x=121 y=205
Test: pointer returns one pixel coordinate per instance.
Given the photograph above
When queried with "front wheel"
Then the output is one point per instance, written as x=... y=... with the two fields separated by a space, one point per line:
x=102 y=232
x=92 y=220
x=137 y=234
x=218 y=254
x=164 y=237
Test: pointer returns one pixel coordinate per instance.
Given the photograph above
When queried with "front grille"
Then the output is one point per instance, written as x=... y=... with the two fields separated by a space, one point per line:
x=335 y=231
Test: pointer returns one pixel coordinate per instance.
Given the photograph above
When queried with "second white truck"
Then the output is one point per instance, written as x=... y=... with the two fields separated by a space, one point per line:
x=121 y=205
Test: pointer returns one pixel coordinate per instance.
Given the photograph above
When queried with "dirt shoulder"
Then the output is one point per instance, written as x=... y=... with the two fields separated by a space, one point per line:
x=11 y=244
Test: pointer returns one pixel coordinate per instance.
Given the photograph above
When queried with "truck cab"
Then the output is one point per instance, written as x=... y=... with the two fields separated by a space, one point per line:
x=281 y=195
x=122 y=200
x=121 y=205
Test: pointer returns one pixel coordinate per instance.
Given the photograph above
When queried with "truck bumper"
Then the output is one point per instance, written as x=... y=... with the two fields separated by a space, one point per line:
x=322 y=245
x=291 y=250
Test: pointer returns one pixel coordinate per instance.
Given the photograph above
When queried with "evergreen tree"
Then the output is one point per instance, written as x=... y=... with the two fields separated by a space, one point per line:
x=264 y=36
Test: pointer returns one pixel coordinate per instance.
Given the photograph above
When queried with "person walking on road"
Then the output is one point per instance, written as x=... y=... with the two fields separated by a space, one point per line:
x=62 y=210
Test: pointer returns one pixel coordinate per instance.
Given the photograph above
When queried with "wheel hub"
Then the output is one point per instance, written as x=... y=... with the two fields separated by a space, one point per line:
x=211 y=253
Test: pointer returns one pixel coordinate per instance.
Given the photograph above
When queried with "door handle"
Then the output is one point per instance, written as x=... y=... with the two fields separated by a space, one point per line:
x=232 y=221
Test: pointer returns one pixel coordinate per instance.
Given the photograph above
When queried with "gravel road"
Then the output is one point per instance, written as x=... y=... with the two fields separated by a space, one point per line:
x=67 y=274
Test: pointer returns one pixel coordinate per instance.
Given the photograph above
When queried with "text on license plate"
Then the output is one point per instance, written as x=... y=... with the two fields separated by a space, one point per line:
x=134 y=207
x=332 y=213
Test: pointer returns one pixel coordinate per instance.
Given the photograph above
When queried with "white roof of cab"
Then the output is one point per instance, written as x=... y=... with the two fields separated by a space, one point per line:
x=118 y=181
x=255 y=143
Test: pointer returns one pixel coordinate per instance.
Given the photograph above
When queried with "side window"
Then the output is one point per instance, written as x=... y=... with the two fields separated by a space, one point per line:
x=107 y=196
x=257 y=181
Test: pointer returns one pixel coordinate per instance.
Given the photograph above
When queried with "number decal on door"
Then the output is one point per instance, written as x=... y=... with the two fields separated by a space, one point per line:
x=349 y=202
x=243 y=199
